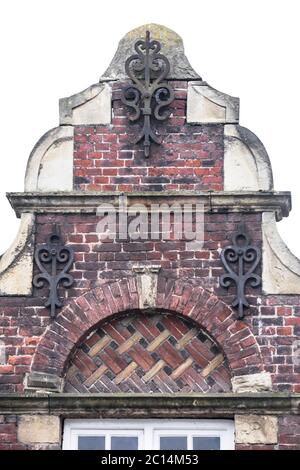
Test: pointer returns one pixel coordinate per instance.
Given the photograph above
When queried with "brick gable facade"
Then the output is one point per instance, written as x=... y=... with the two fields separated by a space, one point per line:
x=150 y=315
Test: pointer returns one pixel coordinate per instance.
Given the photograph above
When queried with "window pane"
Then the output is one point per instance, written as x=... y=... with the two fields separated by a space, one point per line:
x=173 y=443
x=91 y=443
x=124 y=443
x=206 y=443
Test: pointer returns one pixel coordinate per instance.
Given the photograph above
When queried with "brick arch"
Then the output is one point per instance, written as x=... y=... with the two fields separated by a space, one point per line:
x=84 y=314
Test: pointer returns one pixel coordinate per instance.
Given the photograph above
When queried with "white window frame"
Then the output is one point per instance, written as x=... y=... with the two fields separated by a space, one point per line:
x=148 y=431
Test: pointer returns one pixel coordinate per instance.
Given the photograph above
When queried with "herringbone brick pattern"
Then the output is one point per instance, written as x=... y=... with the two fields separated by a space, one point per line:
x=140 y=353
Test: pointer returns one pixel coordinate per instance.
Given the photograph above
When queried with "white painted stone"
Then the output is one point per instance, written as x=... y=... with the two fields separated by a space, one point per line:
x=38 y=429
x=41 y=382
x=56 y=169
x=91 y=106
x=252 y=383
x=147 y=285
x=50 y=165
x=254 y=429
x=246 y=162
x=16 y=264
x=281 y=269
x=172 y=48
x=207 y=105
x=240 y=172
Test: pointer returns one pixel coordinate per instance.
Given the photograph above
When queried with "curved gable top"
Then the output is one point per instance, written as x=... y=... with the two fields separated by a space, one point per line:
x=180 y=68
x=244 y=159
x=203 y=150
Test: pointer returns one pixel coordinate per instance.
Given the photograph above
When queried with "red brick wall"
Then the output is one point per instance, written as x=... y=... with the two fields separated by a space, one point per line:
x=277 y=326
x=8 y=433
x=190 y=157
x=274 y=320
x=112 y=259
x=289 y=433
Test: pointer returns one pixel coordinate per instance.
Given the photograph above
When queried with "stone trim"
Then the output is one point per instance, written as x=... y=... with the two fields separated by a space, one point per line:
x=206 y=105
x=172 y=48
x=90 y=106
x=247 y=166
x=40 y=381
x=147 y=277
x=16 y=264
x=281 y=269
x=122 y=405
x=39 y=429
x=54 y=150
x=255 y=429
x=252 y=383
x=77 y=202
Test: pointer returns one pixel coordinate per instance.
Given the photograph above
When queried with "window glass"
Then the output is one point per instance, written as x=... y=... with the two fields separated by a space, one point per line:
x=148 y=434
x=206 y=443
x=173 y=443
x=91 y=442
x=124 y=443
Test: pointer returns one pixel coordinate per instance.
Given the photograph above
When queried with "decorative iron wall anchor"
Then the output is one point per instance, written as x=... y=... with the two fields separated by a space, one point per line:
x=54 y=260
x=240 y=261
x=148 y=94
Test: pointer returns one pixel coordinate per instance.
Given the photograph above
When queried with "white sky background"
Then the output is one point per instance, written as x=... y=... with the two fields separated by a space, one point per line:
x=246 y=48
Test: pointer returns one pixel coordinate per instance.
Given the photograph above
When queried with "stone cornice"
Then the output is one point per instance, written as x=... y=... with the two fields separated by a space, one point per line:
x=214 y=202
x=122 y=405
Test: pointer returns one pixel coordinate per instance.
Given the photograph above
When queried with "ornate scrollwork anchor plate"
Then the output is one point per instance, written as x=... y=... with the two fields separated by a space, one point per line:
x=148 y=94
x=54 y=260
x=240 y=261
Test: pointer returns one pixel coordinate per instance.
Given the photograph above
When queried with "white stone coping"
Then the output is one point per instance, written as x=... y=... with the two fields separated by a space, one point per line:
x=246 y=163
x=214 y=202
x=206 y=105
x=281 y=268
x=19 y=243
x=16 y=264
x=164 y=405
x=52 y=140
x=172 y=48
x=90 y=106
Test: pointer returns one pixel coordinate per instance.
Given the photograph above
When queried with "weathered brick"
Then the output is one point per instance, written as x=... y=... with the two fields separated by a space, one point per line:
x=189 y=158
